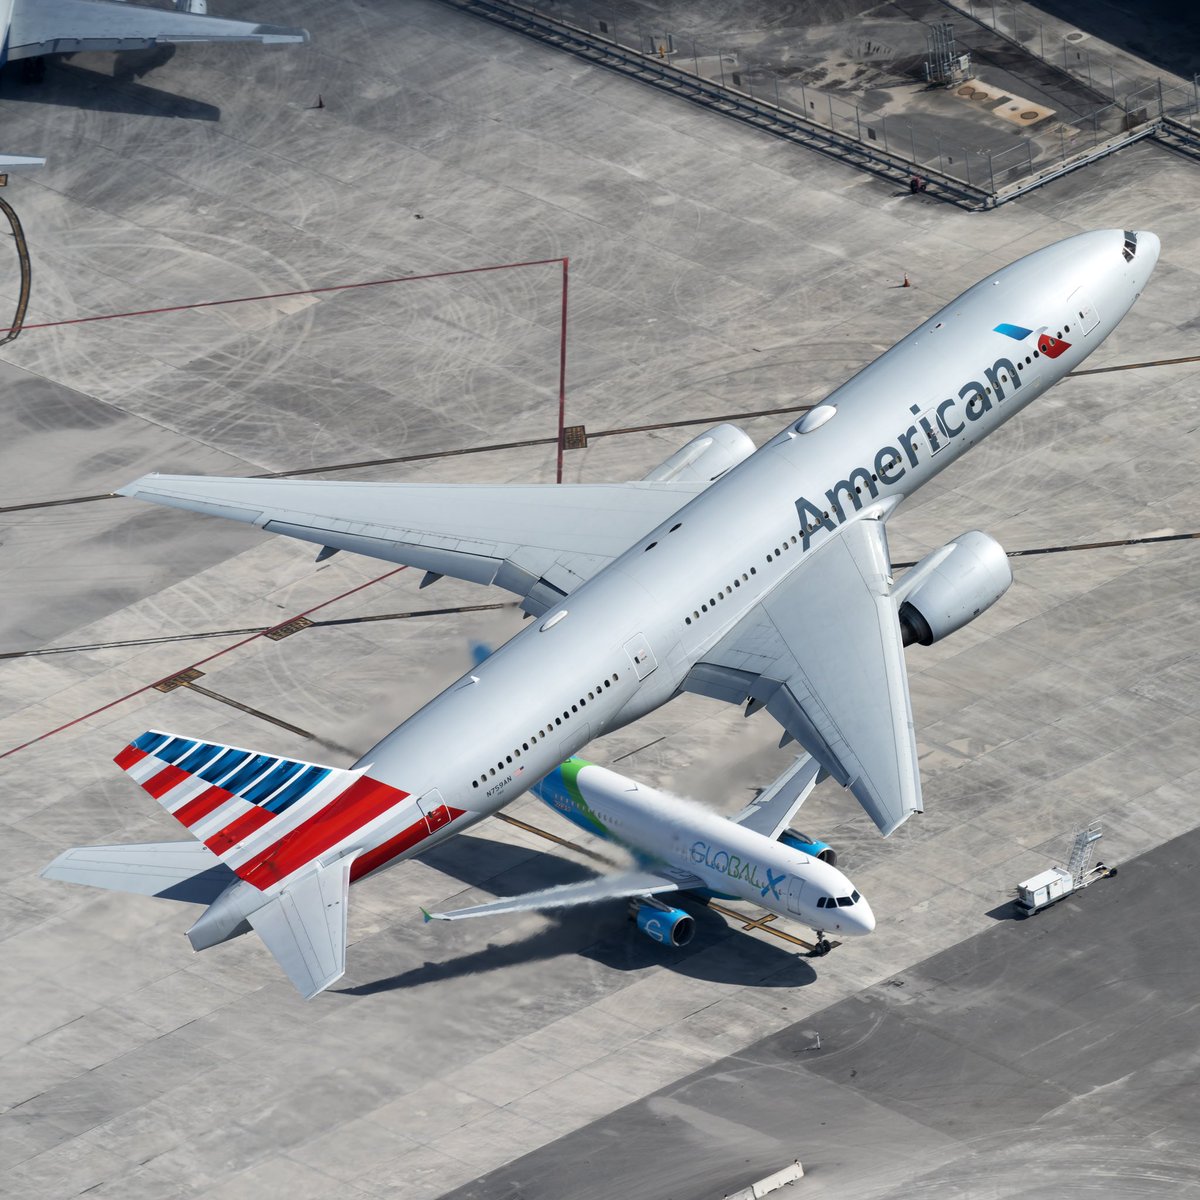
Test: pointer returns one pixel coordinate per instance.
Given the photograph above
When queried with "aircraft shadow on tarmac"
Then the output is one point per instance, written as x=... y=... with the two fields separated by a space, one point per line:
x=717 y=953
x=72 y=86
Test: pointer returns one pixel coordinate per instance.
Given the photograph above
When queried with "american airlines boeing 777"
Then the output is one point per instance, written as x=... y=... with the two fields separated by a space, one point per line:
x=754 y=576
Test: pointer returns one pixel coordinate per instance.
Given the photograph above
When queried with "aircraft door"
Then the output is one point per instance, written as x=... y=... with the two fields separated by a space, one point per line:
x=795 y=887
x=433 y=809
x=641 y=655
x=1083 y=311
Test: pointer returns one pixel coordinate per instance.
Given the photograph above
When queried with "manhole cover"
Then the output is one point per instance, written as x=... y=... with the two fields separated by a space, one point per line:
x=1029 y=116
x=1076 y=36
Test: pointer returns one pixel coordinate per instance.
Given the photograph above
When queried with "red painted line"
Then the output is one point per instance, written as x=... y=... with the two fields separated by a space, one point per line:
x=165 y=780
x=562 y=376
x=333 y=287
x=129 y=757
x=238 y=829
x=363 y=801
x=199 y=662
x=200 y=806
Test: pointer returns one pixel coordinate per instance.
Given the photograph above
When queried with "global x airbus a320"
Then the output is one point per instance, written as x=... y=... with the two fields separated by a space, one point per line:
x=682 y=846
x=758 y=577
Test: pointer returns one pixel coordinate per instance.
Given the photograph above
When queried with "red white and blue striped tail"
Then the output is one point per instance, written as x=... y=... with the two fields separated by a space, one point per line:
x=264 y=816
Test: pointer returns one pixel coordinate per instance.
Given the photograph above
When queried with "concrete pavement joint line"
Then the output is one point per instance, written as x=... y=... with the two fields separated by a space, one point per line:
x=264 y=629
x=517 y=823
x=1158 y=362
x=527 y=443
x=246 y=708
x=146 y=687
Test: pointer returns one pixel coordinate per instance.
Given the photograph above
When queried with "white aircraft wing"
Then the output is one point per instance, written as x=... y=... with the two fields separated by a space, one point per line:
x=304 y=927
x=539 y=541
x=823 y=654
x=69 y=26
x=606 y=887
x=772 y=811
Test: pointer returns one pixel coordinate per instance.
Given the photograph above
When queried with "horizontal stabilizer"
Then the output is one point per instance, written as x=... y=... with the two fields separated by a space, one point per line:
x=69 y=26
x=170 y=870
x=591 y=891
x=304 y=927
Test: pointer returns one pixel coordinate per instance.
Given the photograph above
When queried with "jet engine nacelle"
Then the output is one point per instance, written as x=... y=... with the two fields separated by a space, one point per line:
x=967 y=582
x=704 y=457
x=811 y=846
x=663 y=924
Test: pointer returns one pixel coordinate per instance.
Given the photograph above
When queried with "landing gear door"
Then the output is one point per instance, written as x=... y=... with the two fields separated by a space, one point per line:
x=1083 y=311
x=641 y=655
x=433 y=809
x=795 y=887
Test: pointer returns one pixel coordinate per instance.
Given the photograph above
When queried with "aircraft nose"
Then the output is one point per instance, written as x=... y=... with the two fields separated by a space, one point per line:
x=863 y=917
x=1148 y=247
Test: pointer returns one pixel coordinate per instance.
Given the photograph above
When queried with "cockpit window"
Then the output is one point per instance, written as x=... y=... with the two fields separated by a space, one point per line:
x=1129 y=249
x=855 y=897
x=844 y=902
x=820 y=901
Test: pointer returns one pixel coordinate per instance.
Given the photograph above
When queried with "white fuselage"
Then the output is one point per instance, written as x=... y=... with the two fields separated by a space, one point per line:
x=730 y=859
x=630 y=635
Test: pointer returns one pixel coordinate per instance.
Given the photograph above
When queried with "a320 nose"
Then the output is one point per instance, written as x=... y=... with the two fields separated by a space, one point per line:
x=863 y=917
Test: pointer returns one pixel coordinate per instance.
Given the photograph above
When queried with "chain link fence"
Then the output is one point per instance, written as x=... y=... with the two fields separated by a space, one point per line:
x=919 y=143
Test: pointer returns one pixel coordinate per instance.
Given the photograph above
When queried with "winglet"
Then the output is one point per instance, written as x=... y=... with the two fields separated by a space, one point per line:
x=428 y=916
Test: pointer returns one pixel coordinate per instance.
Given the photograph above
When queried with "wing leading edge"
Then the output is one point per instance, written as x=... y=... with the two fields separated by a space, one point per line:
x=823 y=655
x=69 y=26
x=538 y=541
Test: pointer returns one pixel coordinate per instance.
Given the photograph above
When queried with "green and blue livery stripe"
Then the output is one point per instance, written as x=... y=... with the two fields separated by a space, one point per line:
x=561 y=791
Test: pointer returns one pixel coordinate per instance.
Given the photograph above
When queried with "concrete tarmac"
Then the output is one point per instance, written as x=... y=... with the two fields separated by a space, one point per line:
x=714 y=272
x=1053 y=1055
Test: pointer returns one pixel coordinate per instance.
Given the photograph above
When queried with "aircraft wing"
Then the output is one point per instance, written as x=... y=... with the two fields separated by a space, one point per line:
x=69 y=26
x=539 y=541
x=606 y=887
x=304 y=927
x=773 y=810
x=823 y=654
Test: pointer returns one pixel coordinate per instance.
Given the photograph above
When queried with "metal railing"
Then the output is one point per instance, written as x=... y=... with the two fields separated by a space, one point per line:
x=892 y=146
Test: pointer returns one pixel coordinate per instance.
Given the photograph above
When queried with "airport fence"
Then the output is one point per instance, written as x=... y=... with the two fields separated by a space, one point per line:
x=1104 y=73
x=890 y=144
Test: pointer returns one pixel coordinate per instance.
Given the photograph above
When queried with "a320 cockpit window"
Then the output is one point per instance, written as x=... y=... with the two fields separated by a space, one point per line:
x=1129 y=249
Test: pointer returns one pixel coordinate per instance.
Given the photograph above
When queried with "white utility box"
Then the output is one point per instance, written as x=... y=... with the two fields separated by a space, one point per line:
x=1044 y=889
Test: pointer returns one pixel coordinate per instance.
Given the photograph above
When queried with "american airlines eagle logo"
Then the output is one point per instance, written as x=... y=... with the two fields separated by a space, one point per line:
x=1047 y=343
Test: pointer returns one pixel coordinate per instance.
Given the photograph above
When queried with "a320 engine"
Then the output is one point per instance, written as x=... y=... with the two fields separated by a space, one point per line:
x=666 y=925
x=966 y=583
x=705 y=457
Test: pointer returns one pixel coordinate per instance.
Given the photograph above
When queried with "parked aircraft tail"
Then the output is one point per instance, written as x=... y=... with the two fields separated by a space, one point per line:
x=261 y=824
